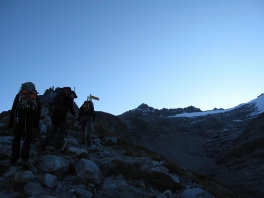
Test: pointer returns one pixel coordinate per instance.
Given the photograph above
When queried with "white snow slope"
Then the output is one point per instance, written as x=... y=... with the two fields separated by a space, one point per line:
x=258 y=103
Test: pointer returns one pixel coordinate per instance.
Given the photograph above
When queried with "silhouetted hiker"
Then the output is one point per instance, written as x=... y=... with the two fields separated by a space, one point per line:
x=87 y=118
x=63 y=102
x=25 y=111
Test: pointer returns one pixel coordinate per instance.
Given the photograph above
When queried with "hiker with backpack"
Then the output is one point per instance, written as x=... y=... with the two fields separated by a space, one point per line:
x=62 y=104
x=86 y=119
x=24 y=116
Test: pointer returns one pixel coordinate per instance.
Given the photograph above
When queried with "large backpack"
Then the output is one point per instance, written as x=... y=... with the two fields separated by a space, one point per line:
x=88 y=108
x=61 y=95
x=27 y=98
x=60 y=99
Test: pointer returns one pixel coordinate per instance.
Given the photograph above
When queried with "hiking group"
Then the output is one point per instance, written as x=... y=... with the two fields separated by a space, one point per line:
x=25 y=116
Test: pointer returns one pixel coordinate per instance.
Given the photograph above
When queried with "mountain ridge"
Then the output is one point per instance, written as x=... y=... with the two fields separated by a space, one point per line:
x=206 y=142
x=144 y=108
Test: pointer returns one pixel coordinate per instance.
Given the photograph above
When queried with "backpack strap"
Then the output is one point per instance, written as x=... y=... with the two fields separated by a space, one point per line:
x=27 y=99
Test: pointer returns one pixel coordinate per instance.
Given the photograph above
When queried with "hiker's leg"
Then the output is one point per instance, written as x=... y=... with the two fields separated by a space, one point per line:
x=27 y=138
x=61 y=134
x=90 y=130
x=83 y=132
x=19 y=129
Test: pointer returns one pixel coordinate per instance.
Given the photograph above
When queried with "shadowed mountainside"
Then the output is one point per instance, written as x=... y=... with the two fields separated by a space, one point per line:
x=219 y=147
x=226 y=146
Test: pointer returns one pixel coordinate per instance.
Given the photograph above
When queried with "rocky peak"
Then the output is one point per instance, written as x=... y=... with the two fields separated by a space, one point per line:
x=48 y=91
x=144 y=108
x=191 y=109
x=147 y=110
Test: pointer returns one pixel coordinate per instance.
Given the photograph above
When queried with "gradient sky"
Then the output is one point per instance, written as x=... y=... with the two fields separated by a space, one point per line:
x=165 y=53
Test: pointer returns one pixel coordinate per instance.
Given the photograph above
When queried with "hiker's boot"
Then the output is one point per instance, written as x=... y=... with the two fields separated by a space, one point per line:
x=58 y=147
x=41 y=147
x=81 y=142
x=24 y=164
x=12 y=161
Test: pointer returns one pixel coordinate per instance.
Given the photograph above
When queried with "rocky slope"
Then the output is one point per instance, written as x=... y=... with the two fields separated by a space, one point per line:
x=112 y=167
x=243 y=160
x=147 y=152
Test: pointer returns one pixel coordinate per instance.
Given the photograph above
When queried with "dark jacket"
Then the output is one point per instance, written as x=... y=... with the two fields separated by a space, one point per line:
x=63 y=103
x=15 y=112
x=89 y=113
x=69 y=105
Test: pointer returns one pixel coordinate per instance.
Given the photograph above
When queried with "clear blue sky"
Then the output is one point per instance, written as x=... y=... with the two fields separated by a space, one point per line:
x=167 y=54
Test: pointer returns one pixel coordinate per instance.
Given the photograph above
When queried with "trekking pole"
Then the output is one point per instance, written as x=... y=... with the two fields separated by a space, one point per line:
x=67 y=136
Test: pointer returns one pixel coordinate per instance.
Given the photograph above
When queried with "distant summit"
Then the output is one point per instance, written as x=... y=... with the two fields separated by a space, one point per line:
x=145 y=109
